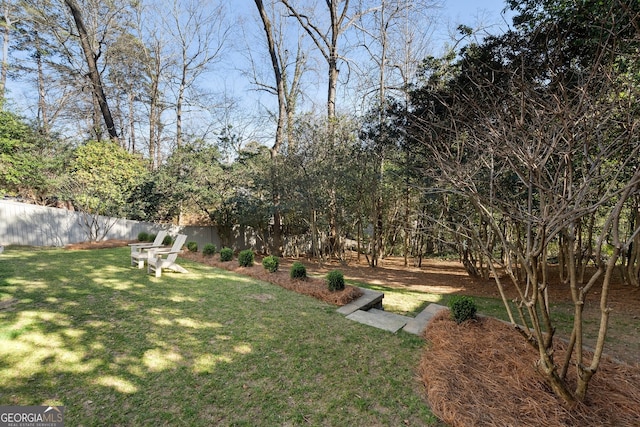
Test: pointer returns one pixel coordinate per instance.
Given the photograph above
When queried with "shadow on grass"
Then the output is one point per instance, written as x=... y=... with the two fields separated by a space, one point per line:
x=119 y=347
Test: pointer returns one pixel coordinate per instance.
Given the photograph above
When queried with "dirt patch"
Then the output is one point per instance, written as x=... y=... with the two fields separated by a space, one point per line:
x=483 y=373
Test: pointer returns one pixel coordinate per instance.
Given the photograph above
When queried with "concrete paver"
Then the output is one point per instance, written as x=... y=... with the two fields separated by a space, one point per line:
x=379 y=319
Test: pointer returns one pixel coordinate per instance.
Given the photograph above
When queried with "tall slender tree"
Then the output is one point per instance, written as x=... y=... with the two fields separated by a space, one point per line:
x=91 y=56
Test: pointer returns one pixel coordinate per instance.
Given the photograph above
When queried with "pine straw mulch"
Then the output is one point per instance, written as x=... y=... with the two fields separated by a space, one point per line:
x=312 y=286
x=482 y=373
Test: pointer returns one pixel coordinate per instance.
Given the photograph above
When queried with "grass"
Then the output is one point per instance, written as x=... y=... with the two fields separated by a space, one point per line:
x=621 y=333
x=119 y=347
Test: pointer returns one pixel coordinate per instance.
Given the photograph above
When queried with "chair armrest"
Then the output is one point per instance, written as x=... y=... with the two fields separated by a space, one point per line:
x=144 y=245
x=159 y=251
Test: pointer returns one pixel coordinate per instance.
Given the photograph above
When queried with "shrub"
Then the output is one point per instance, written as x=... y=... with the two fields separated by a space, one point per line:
x=335 y=280
x=192 y=246
x=167 y=240
x=226 y=254
x=298 y=271
x=462 y=308
x=245 y=258
x=271 y=263
x=143 y=236
x=209 y=249
x=151 y=237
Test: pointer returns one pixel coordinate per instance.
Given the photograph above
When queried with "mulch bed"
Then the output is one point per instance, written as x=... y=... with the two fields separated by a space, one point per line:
x=312 y=286
x=114 y=243
x=482 y=373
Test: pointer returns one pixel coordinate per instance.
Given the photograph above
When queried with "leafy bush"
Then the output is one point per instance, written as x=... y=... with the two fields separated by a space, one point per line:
x=167 y=240
x=298 y=271
x=462 y=308
x=151 y=237
x=226 y=254
x=245 y=258
x=209 y=249
x=335 y=280
x=143 y=236
x=192 y=246
x=271 y=263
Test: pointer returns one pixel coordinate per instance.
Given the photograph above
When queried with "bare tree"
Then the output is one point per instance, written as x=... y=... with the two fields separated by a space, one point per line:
x=327 y=40
x=8 y=16
x=91 y=57
x=536 y=158
x=287 y=94
x=199 y=34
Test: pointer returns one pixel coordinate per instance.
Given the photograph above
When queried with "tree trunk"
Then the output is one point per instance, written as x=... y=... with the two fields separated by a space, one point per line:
x=280 y=127
x=5 y=48
x=94 y=74
x=132 y=127
x=42 y=104
x=179 y=103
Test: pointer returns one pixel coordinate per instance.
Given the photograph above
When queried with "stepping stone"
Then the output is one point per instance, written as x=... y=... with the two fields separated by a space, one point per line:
x=418 y=324
x=379 y=319
x=370 y=299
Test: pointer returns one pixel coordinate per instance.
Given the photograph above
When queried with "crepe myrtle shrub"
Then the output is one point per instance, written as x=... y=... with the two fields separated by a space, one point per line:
x=226 y=254
x=192 y=246
x=335 y=280
x=462 y=308
x=245 y=258
x=143 y=236
x=271 y=263
x=151 y=237
x=298 y=271
x=167 y=240
x=209 y=249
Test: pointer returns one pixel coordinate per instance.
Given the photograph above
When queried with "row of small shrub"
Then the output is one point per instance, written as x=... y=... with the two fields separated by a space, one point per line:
x=226 y=254
x=335 y=278
x=143 y=236
x=208 y=249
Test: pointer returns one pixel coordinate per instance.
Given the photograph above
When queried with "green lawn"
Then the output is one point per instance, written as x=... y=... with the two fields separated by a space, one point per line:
x=119 y=347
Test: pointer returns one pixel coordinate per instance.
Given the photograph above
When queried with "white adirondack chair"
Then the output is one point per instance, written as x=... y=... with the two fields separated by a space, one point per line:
x=140 y=251
x=160 y=259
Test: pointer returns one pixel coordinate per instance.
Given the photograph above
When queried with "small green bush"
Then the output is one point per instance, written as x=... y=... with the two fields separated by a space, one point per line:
x=192 y=246
x=245 y=258
x=209 y=249
x=226 y=254
x=462 y=308
x=298 y=271
x=152 y=237
x=168 y=240
x=271 y=263
x=143 y=236
x=335 y=280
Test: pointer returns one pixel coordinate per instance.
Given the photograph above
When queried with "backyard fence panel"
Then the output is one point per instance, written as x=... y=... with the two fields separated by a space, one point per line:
x=33 y=225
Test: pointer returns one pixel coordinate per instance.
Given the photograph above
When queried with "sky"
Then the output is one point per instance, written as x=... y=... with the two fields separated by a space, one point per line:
x=477 y=14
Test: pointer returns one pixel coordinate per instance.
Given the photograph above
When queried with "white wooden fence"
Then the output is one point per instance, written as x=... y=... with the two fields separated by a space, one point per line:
x=32 y=225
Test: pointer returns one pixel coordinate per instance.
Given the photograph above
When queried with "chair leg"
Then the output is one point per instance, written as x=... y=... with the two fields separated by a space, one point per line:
x=141 y=263
x=158 y=271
